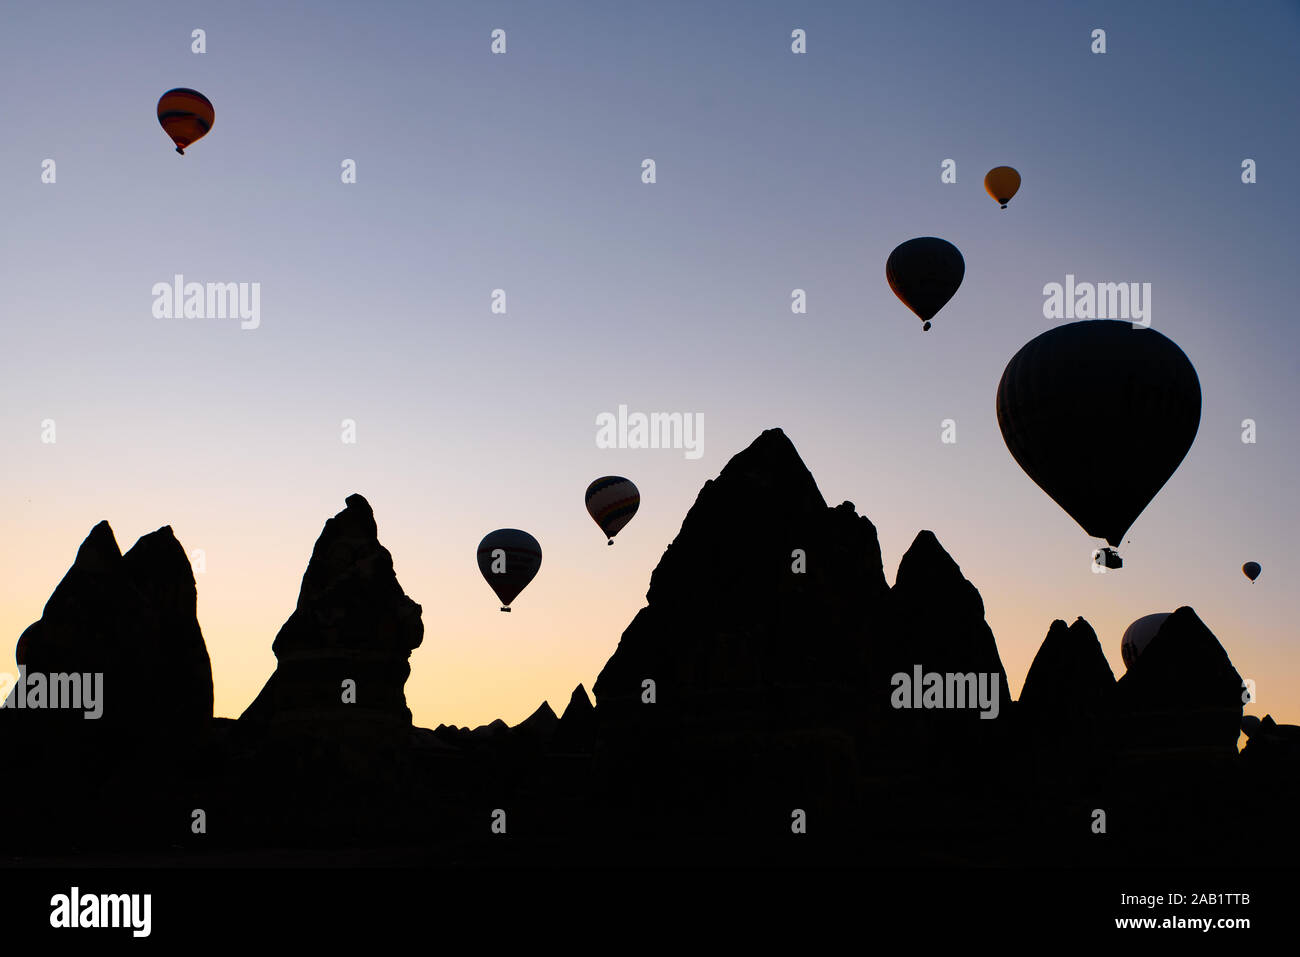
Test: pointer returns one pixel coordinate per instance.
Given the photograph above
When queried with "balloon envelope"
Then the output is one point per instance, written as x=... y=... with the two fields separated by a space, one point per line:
x=185 y=115
x=1001 y=183
x=611 y=502
x=1100 y=414
x=925 y=273
x=1251 y=570
x=1138 y=635
x=509 y=560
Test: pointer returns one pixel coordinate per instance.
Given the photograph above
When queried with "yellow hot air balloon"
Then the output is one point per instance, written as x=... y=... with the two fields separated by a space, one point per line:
x=1001 y=183
x=185 y=116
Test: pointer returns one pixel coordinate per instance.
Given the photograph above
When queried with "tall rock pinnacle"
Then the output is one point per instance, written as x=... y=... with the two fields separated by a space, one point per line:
x=344 y=652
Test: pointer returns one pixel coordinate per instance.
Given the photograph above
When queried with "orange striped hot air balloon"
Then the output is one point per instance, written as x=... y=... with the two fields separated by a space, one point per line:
x=185 y=115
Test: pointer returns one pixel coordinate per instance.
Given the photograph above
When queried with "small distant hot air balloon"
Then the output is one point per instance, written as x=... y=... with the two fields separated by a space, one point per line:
x=925 y=273
x=1100 y=415
x=1001 y=183
x=185 y=115
x=1251 y=571
x=612 y=501
x=509 y=560
x=1138 y=635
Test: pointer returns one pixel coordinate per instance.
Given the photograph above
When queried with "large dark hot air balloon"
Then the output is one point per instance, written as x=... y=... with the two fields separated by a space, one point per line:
x=1251 y=570
x=1100 y=414
x=612 y=501
x=925 y=273
x=509 y=560
x=1138 y=635
x=1002 y=182
x=185 y=116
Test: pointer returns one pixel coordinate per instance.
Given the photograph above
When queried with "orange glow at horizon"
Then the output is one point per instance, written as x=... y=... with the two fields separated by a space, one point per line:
x=476 y=664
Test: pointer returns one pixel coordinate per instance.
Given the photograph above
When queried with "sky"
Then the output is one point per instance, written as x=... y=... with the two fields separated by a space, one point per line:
x=522 y=171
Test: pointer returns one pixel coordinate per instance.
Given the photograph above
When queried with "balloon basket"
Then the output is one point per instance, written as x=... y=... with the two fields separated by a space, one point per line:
x=1108 y=558
x=503 y=608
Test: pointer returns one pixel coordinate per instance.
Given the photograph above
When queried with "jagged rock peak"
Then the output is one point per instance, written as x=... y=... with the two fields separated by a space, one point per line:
x=1183 y=689
x=132 y=618
x=543 y=719
x=350 y=596
x=347 y=538
x=1069 y=671
x=763 y=504
x=927 y=568
x=578 y=703
x=352 y=623
x=100 y=546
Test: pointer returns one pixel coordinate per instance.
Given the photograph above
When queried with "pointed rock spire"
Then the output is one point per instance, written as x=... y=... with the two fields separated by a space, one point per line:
x=343 y=654
x=1069 y=674
x=576 y=733
x=1182 y=691
x=939 y=618
x=763 y=584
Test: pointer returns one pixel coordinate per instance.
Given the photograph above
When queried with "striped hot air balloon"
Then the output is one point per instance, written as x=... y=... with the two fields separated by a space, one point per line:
x=612 y=501
x=185 y=116
x=509 y=560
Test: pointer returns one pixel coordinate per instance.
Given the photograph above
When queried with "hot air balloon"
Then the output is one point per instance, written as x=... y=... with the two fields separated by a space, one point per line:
x=1251 y=570
x=1100 y=414
x=1138 y=635
x=1002 y=182
x=612 y=501
x=509 y=560
x=925 y=273
x=185 y=115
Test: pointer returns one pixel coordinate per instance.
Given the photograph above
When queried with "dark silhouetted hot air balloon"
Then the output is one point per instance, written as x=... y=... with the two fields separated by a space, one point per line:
x=925 y=273
x=185 y=115
x=509 y=560
x=612 y=501
x=1002 y=182
x=1100 y=414
x=1138 y=635
x=1251 y=570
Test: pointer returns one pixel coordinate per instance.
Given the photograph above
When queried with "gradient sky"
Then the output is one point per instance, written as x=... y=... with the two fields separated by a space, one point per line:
x=522 y=172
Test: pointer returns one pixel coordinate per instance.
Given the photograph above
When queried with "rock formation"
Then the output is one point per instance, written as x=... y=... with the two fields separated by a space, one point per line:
x=343 y=655
x=124 y=628
x=937 y=625
x=132 y=619
x=753 y=645
x=1066 y=707
x=576 y=732
x=1182 y=692
x=1069 y=675
x=759 y=684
